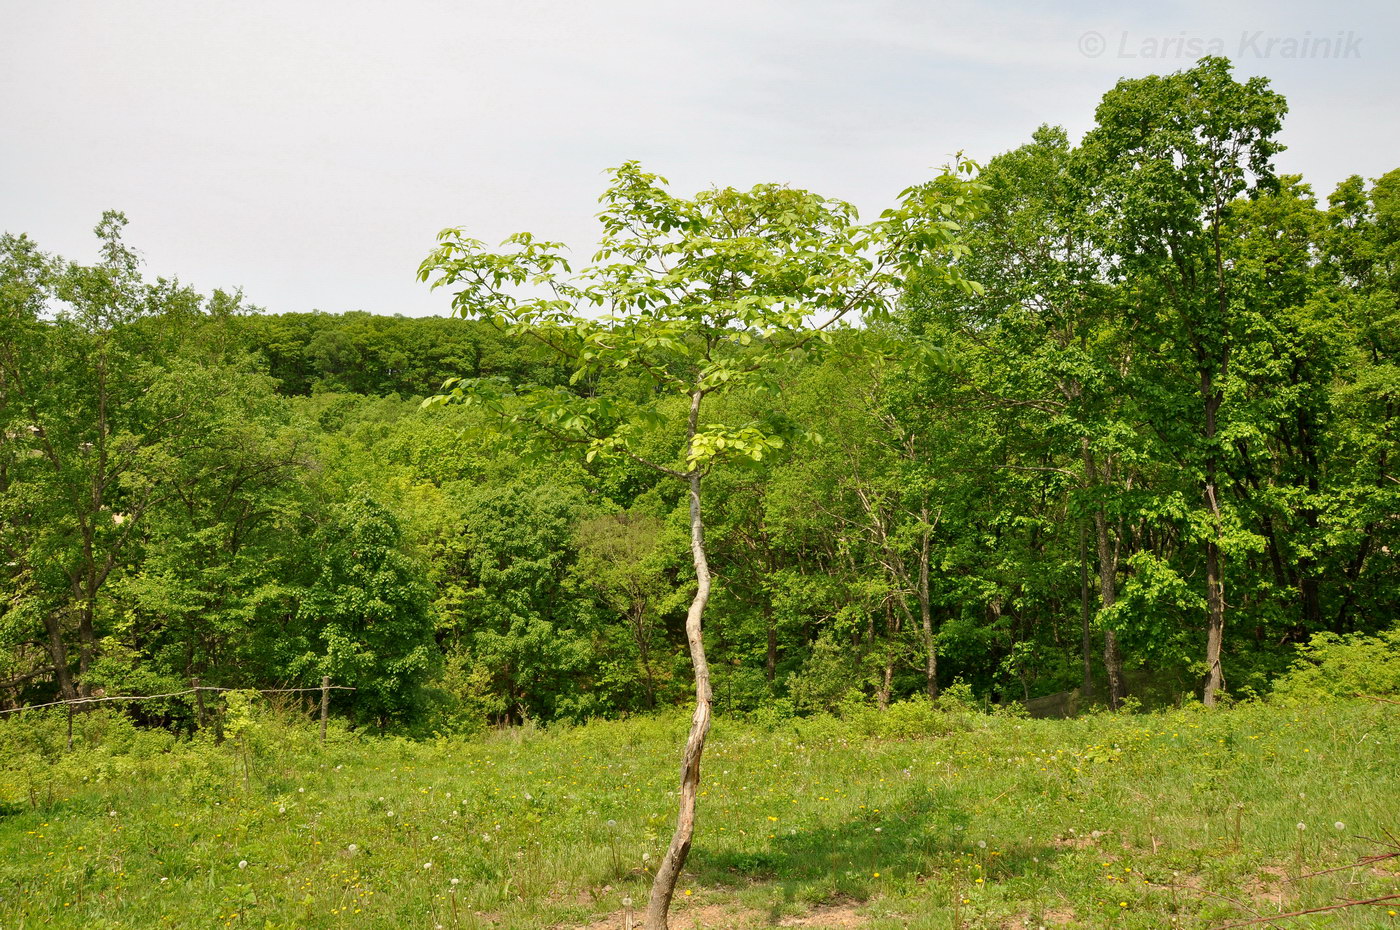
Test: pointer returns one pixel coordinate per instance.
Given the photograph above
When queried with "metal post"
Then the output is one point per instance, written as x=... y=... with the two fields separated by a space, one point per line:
x=70 y=727
x=325 y=703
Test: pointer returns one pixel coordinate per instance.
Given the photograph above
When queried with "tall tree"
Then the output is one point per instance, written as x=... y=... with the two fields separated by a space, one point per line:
x=1167 y=157
x=97 y=412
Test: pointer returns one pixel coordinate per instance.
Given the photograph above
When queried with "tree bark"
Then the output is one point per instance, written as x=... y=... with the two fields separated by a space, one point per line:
x=1215 y=582
x=1086 y=688
x=770 y=665
x=1108 y=586
x=58 y=651
x=663 y=888
x=926 y=611
x=1215 y=629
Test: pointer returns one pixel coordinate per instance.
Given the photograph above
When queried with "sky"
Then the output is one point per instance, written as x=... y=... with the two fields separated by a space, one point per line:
x=308 y=152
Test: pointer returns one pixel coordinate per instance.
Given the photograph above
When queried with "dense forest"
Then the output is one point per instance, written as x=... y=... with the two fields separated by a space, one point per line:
x=1149 y=453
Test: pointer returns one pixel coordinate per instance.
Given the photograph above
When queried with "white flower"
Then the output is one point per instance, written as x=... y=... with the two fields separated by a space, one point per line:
x=612 y=824
x=389 y=814
x=427 y=865
x=301 y=791
x=243 y=863
x=436 y=838
x=281 y=810
x=1302 y=826
x=1339 y=825
x=111 y=813
x=352 y=849
x=456 y=881
x=981 y=844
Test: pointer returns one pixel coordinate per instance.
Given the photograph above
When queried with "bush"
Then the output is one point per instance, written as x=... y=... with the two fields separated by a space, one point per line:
x=918 y=717
x=1330 y=667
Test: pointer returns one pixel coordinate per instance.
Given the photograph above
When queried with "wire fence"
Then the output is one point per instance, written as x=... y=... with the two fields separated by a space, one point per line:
x=197 y=690
x=171 y=694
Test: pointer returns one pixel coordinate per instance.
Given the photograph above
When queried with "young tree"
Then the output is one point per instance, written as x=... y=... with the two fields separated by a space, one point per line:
x=102 y=424
x=701 y=296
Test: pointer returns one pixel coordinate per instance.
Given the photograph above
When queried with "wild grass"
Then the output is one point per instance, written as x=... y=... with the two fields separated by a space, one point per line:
x=1188 y=818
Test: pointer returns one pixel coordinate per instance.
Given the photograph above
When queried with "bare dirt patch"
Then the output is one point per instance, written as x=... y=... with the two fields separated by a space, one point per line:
x=835 y=915
x=720 y=917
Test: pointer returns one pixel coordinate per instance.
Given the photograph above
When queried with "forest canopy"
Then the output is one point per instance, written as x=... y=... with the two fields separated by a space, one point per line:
x=1148 y=454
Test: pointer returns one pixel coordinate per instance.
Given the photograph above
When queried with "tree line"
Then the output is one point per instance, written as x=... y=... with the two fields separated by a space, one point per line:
x=1130 y=431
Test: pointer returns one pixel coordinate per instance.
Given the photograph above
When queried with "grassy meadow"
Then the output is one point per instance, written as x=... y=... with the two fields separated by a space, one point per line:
x=911 y=819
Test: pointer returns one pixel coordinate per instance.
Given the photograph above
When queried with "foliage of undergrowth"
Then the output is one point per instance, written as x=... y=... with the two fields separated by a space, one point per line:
x=925 y=816
x=1329 y=667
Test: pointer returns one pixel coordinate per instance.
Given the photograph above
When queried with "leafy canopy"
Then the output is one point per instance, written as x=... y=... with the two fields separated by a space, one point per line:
x=692 y=297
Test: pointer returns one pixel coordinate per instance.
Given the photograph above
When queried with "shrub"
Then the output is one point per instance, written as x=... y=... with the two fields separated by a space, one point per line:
x=1330 y=667
x=918 y=717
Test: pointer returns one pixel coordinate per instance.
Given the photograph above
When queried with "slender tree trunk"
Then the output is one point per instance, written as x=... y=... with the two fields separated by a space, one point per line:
x=882 y=691
x=1215 y=629
x=1086 y=689
x=1108 y=585
x=1215 y=582
x=1108 y=596
x=87 y=644
x=668 y=872
x=642 y=637
x=770 y=665
x=926 y=614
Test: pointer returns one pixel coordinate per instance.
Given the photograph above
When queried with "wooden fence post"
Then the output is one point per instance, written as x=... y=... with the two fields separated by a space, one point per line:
x=325 y=703
x=198 y=703
x=70 y=727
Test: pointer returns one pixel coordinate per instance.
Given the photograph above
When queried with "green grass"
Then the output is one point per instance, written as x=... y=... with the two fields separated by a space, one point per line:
x=1132 y=821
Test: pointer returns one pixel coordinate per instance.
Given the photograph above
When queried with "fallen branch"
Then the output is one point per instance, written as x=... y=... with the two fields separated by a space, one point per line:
x=1311 y=910
x=1364 y=860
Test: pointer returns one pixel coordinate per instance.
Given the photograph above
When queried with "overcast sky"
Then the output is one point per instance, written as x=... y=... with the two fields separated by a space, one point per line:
x=308 y=152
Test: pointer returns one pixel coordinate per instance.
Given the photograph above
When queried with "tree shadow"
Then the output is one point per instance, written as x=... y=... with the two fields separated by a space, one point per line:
x=929 y=837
